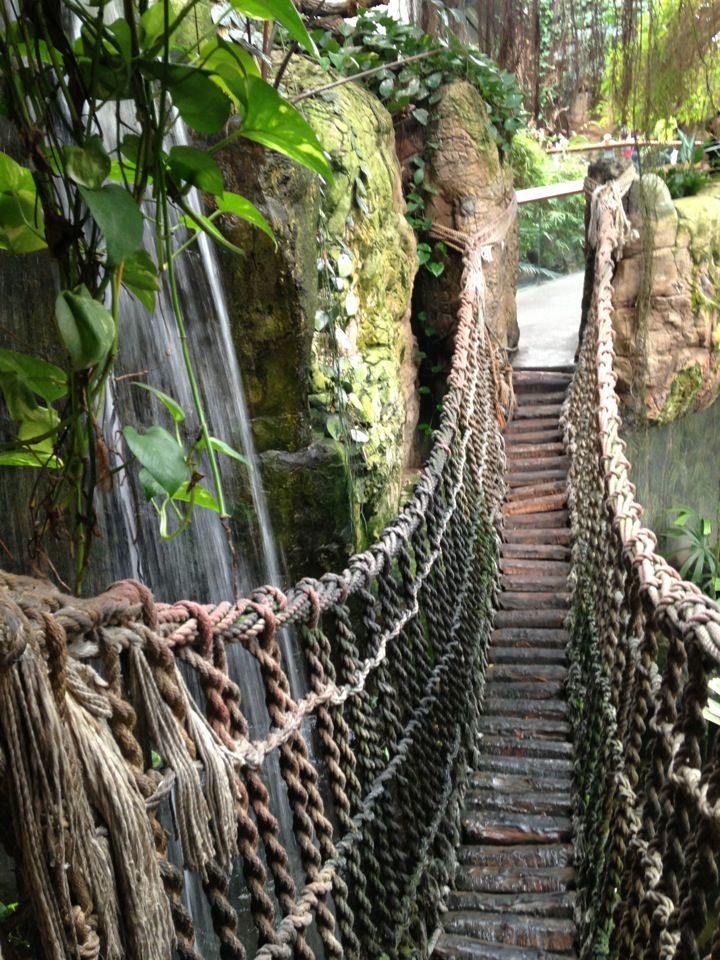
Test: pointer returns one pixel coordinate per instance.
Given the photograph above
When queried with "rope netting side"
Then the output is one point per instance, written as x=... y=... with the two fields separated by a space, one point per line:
x=121 y=786
x=644 y=646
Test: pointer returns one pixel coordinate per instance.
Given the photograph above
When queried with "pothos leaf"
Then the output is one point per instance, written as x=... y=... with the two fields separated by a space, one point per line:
x=39 y=376
x=196 y=168
x=200 y=102
x=176 y=411
x=221 y=447
x=22 y=227
x=86 y=327
x=199 y=496
x=88 y=166
x=118 y=217
x=161 y=455
x=270 y=120
x=141 y=278
x=284 y=12
x=238 y=206
x=28 y=458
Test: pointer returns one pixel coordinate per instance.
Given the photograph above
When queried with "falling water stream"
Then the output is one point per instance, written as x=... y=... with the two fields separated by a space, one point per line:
x=198 y=564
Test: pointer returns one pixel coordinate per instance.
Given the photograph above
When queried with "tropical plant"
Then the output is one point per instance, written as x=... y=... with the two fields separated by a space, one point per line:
x=550 y=231
x=693 y=548
x=406 y=69
x=664 y=62
x=89 y=185
x=683 y=181
x=412 y=88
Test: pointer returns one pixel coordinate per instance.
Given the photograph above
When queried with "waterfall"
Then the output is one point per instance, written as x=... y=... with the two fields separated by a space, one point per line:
x=198 y=564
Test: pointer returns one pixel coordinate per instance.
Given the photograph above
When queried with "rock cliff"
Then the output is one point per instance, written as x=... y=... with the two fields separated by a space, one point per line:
x=667 y=314
x=322 y=326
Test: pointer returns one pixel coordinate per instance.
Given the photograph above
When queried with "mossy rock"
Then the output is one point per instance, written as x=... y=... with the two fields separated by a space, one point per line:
x=699 y=223
x=322 y=329
x=684 y=393
x=308 y=506
x=678 y=354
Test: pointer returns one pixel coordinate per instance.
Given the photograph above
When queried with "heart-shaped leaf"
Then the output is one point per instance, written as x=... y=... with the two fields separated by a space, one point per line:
x=88 y=166
x=240 y=207
x=269 y=119
x=118 y=217
x=200 y=102
x=176 y=411
x=200 y=497
x=141 y=278
x=22 y=227
x=86 y=328
x=285 y=12
x=39 y=376
x=161 y=455
x=196 y=168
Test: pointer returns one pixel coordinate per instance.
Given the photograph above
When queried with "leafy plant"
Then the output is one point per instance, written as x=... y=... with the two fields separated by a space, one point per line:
x=431 y=255
x=87 y=195
x=550 y=231
x=693 y=548
x=413 y=89
x=683 y=181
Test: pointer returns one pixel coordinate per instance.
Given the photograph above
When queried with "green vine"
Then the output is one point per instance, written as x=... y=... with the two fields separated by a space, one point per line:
x=414 y=89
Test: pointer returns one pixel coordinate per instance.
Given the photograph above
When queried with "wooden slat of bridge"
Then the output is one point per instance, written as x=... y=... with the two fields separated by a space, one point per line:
x=550 y=191
x=514 y=887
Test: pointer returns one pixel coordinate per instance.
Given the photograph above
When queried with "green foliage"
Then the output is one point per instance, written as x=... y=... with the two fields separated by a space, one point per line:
x=22 y=227
x=413 y=89
x=550 y=231
x=692 y=547
x=665 y=63
x=431 y=255
x=168 y=470
x=87 y=197
x=683 y=181
x=86 y=328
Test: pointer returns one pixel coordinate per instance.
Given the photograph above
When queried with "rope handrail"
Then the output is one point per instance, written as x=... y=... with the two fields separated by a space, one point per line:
x=91 y=690
x=644 y=645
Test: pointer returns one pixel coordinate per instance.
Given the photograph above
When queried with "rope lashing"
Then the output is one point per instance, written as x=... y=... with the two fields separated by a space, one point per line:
x=644 y=646
x=95 y=694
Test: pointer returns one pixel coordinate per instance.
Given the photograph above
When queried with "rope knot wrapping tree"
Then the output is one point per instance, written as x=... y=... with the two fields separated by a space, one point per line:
x=644 y=646
x=121 y=784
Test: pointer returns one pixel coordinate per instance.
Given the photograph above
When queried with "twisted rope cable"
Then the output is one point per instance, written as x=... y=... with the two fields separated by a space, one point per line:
x=648 y=827
x=396 y=736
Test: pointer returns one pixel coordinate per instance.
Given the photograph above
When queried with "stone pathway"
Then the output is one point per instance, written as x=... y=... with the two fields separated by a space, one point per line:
x=514 y=887
x=549 y=320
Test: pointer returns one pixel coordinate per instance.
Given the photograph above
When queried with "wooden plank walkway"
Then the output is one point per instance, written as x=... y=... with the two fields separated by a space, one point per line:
x=550 y=191
x=514 y=886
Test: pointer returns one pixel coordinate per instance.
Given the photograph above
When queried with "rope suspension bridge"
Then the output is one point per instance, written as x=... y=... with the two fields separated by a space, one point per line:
x=501 y=753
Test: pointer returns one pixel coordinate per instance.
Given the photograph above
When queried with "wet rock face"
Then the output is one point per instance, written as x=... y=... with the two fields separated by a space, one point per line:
x=473 y=188
x=322 y=326
x=667 y=356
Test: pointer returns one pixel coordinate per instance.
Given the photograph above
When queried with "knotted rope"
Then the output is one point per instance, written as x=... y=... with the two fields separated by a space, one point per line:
x=645 y=644
x=122 y=784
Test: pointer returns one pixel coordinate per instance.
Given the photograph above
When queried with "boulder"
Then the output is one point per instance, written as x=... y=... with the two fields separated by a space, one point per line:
x=473 y=187
x=322 y=325
x=667 y=318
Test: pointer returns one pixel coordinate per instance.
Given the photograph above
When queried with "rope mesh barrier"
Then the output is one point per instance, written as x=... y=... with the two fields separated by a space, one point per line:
x=644 y=646
x=119 y=784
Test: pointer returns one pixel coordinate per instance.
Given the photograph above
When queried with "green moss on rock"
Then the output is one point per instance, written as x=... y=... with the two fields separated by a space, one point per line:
x=322 y=329
x=684 y=392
